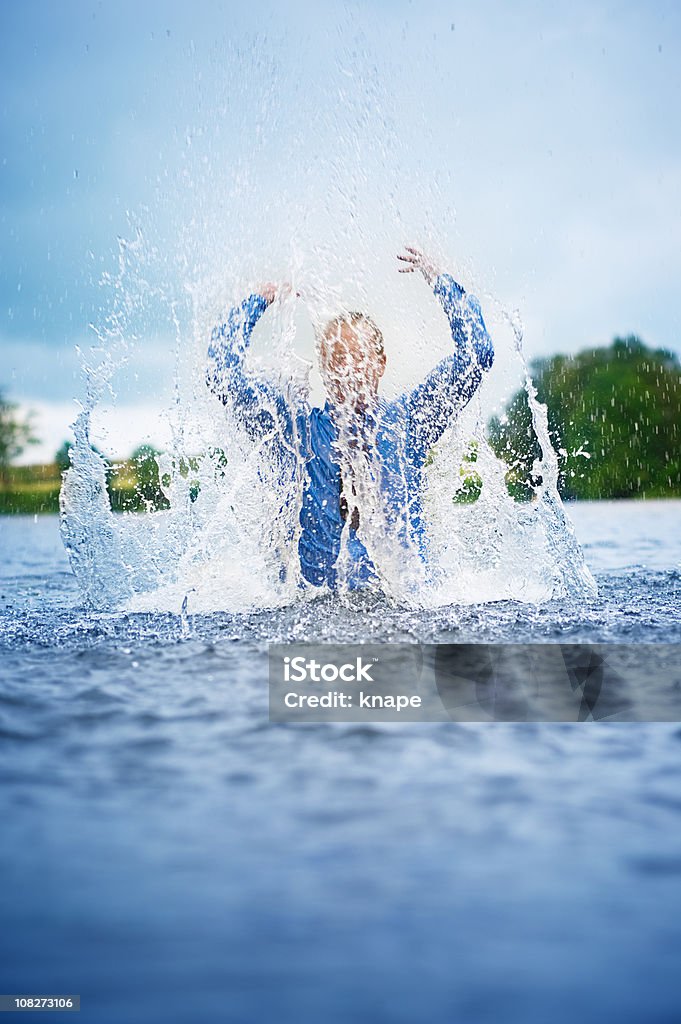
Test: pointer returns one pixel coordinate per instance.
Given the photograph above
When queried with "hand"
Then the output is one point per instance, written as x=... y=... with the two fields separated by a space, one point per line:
x=273 y=290
x=417 y=260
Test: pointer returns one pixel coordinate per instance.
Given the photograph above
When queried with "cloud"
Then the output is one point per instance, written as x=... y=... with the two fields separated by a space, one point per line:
x=116 y=430
x=533 y=144
x=43 y=372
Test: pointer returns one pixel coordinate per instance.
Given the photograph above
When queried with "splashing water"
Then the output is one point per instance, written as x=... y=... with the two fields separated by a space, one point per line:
x=229 y=537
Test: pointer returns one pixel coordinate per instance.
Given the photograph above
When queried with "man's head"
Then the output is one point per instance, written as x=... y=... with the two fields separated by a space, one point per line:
x=351 y=358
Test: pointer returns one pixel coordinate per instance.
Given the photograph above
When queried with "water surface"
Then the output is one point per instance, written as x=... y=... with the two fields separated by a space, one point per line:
x=171 y=856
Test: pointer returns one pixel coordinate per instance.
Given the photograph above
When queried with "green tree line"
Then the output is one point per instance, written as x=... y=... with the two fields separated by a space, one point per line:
x=614 y=418
x=133 y=484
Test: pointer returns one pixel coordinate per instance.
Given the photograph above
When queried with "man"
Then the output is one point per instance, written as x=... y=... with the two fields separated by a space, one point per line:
x=362 y=458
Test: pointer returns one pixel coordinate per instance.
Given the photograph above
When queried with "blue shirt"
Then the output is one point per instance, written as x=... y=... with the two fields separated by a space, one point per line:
x=395 y=436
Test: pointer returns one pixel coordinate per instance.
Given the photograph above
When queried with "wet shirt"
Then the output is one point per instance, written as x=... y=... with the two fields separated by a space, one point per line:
x=393 y=437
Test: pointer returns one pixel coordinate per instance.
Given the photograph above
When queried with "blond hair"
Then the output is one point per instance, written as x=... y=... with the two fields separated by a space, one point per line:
x=354 y=319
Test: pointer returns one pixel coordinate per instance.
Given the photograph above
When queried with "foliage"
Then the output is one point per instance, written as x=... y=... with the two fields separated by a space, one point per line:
x=30 y=490
x=471 y=481
x=469 y=486
x=62 y=458
x=133 y=484
x=188 y=469
x=614 y=417
x=145 y=460
x=34 y=489
x=15 y=434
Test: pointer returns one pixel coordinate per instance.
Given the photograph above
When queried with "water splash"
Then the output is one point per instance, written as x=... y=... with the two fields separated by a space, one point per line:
x=229 y=537
x=497 y=548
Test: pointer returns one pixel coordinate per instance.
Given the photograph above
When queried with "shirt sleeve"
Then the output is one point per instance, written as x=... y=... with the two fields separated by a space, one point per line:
x=447 y=389
x=261 y=407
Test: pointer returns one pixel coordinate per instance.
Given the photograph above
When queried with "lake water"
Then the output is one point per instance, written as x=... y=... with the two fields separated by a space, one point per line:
x=170 y=855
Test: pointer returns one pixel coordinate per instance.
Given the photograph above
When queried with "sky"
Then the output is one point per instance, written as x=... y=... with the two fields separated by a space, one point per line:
x=534 y=147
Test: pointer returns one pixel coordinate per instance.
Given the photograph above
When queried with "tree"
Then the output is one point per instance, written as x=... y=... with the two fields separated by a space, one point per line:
x=62 y=457
x=470 y=480
x=15 y=434
x=146 y=469
x=614 y=417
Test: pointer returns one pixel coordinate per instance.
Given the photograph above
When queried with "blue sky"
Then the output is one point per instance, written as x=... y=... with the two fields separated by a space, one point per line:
x=535 y=146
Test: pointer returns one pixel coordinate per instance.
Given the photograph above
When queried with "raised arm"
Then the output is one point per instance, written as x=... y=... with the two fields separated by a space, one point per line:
x=433 y=405
x=261 y=406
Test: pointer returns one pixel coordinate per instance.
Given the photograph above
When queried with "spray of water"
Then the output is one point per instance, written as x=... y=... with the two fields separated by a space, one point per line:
x=229 y=537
